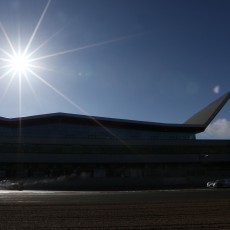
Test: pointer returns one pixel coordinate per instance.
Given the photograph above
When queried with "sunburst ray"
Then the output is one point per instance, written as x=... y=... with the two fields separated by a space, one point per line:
x=8 y=39
x=37 y=27
x=44 y=43
x=85 y=47
x=78 y=107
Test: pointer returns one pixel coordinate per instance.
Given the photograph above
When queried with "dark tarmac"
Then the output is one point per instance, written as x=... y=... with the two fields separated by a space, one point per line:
x=166 y=209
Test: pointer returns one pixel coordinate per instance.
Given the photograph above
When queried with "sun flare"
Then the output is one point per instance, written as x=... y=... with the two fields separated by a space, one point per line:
x=22 y=63
x=19 y=63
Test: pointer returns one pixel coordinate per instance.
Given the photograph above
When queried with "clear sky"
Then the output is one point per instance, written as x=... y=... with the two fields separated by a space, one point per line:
x=149 y=60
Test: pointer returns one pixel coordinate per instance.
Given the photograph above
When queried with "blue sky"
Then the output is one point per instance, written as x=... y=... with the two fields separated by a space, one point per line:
x=149 y=60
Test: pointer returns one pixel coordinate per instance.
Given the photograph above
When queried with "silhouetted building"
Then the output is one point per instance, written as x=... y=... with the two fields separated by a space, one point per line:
x=105 y=153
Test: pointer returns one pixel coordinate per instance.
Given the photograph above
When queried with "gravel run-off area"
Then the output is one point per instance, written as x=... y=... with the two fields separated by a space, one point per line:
x=152 y=215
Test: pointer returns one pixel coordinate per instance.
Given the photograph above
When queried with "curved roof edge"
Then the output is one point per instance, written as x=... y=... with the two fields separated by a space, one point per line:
x=101 y=121
x=207 y=114
x=196 y=124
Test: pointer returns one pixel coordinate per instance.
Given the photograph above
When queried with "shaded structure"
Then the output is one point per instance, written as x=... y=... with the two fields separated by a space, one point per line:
x=105 y=153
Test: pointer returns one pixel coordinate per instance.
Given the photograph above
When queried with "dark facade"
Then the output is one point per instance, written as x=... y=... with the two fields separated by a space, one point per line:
x=84 y=152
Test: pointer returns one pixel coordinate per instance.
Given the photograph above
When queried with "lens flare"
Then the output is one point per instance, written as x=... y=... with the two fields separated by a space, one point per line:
x=216 y=89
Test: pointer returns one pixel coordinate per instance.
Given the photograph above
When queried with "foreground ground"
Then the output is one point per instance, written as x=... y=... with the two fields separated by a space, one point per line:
x=173 y=209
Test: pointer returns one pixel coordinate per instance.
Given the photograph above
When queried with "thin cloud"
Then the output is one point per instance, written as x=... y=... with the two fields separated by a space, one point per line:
x=220 y=129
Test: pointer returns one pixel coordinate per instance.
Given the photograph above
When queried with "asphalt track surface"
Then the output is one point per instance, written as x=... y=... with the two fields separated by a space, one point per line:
x=168 y=209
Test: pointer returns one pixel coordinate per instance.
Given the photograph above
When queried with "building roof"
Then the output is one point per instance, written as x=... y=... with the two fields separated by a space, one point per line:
x=207 y=114
x=197 y=123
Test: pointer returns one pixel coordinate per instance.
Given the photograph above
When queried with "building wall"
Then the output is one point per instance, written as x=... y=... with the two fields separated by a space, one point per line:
x=90 y=131
x=88 y=154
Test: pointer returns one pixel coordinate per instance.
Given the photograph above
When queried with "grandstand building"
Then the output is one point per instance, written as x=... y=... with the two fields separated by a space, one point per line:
x=105 y=153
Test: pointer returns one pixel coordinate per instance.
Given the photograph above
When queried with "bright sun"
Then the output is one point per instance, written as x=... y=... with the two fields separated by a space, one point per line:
x=19 y=63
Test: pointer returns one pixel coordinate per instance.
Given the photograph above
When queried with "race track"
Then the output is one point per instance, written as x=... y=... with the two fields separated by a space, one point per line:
x=172 y=209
